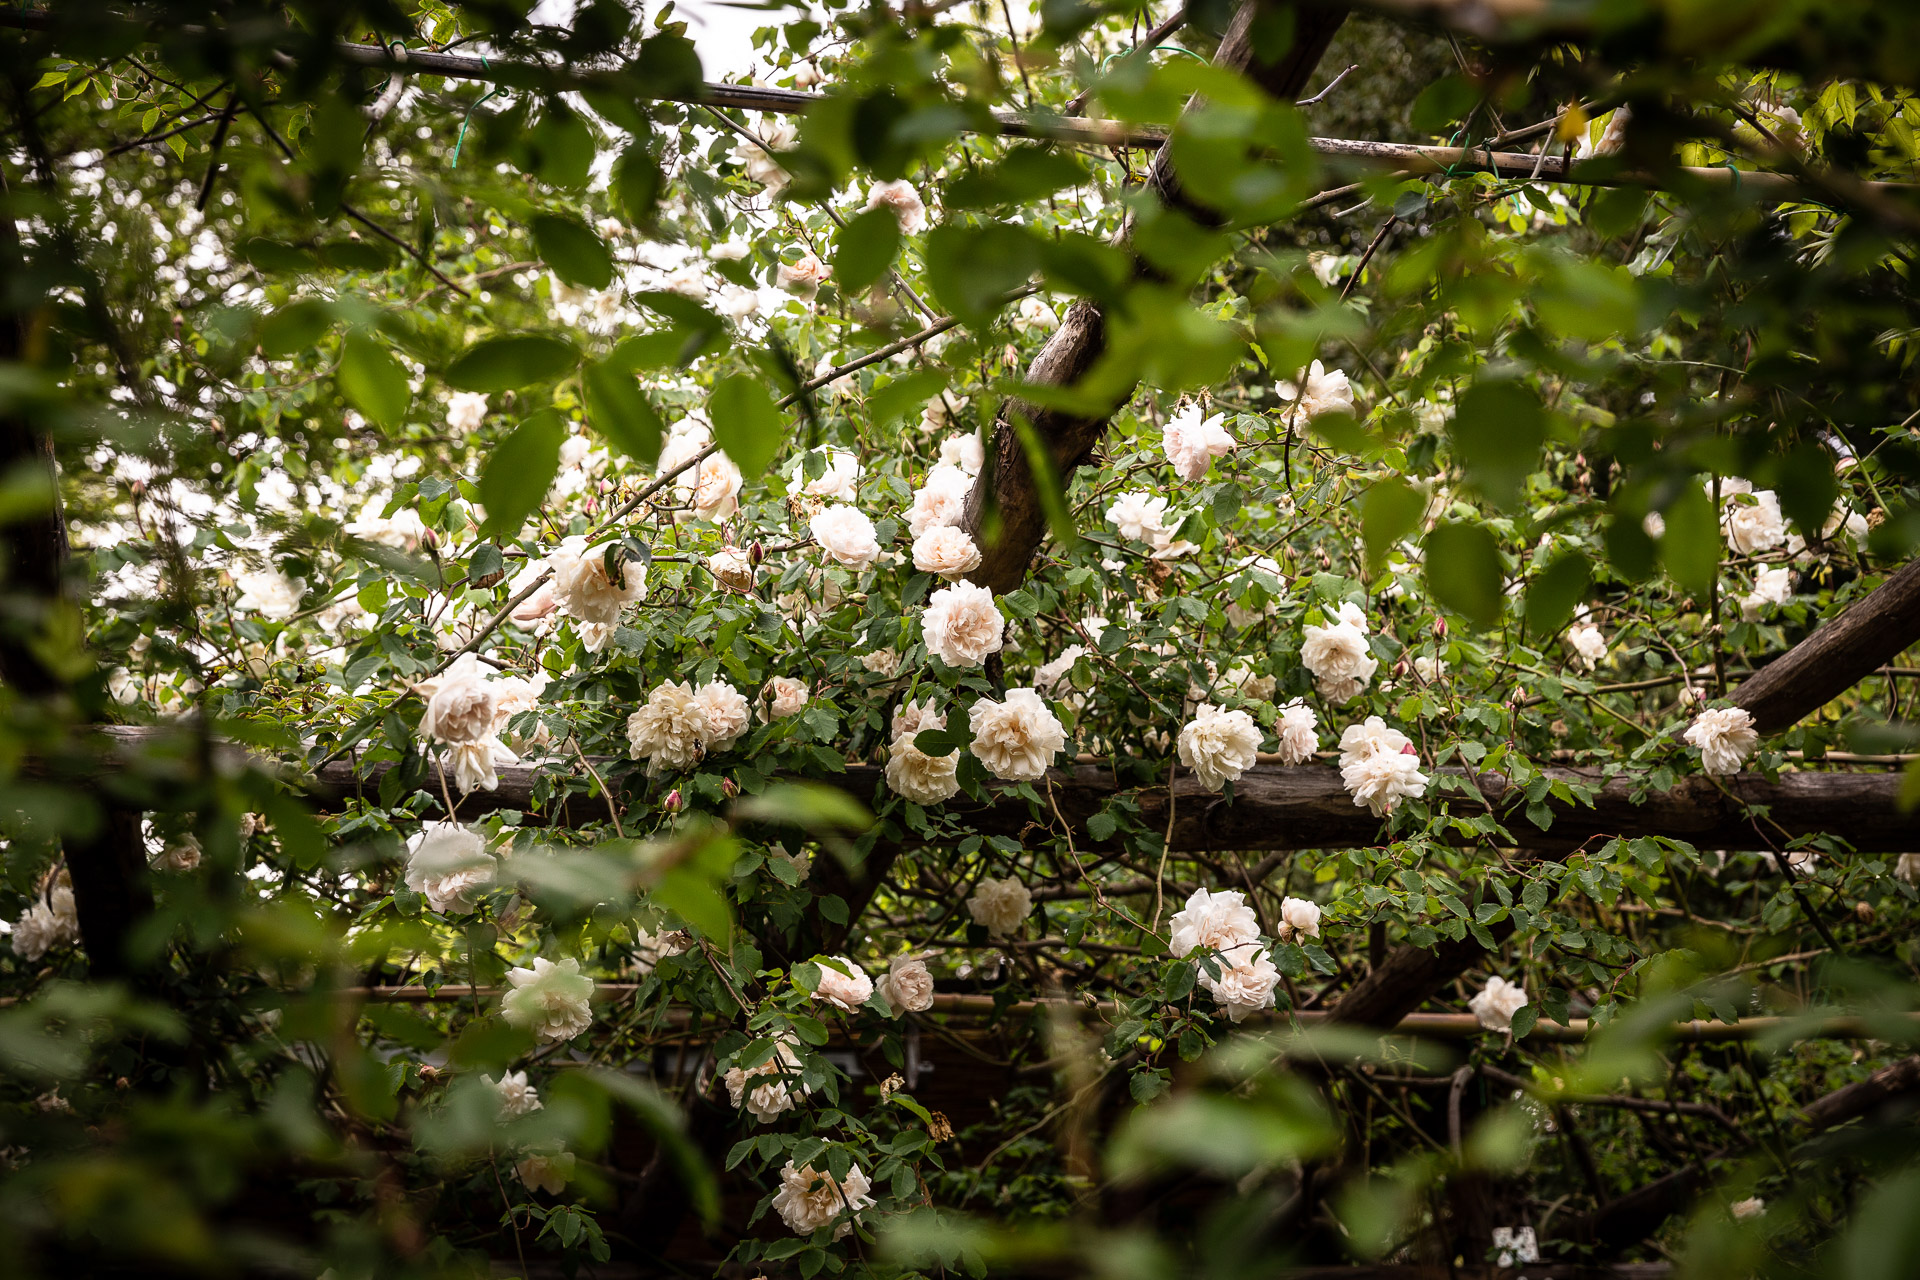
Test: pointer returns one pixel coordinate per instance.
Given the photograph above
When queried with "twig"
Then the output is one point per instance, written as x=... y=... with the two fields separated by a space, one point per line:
x=1331 y=86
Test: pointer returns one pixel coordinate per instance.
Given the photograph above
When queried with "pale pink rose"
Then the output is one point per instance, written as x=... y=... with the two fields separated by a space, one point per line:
x=1016 y=739
x=1213 y=922
x=904 y=202
x=942 y=500
x=961 y=626
x=846 y=535
x=1193 y=442
x=784 y=697
x=847 y=990
x=946 y=551
x=802 y=278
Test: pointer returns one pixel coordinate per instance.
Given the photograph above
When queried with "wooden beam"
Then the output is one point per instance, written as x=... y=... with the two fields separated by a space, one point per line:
x=1867 y=635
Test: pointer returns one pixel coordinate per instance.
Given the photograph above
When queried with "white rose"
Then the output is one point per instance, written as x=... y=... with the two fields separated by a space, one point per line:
x=1380 y=782
x=671 y=731
x=449 y=865
x=1338 y=658
x=728 y=715
x=1322 y=392
x=732 y=569
x=517 y=1097
x=1140 y=517
x=756 y=155
x=809 y=1199
x=466 y=410
x=583 y=591
x=1033 y=315
x=907 y=986
x=1751 y=521
x=960 y=625
x=1244 y=986
x=963 y=453
x=712 y=489
x=942 y=500
x=1908 y=868
x=946 y=551
x=551 y=999
x=545 y=1170
x=1051 y=673
x=461 y=703
x=1745 y=1210
x=904 y=202
x=779 y=1076
x=1219 y=745
x=881 y=662
x=270 y=594
x=919 y=777
x=1016 y=739
x=802 y=278
x=1299 y=919
x=846 y=535
x=840 y=480
x=1000 y=906
x=847 y=990
x=1371 y=737
x=1495 y=1005
x=1213 y=922
x=911 y=717
x=1430 y=669
x=1193 y=442
x=784 y=697
x=475 y=765
x=1770 y=587
x=1296 y=731
x=1725 y=736
x=1588 y=644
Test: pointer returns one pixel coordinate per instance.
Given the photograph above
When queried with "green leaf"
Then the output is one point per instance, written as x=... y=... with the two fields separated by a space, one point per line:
x=1556 y=592
x=1389 y=512
x=970 y=269
x=559 y=149
x=864 y=249
x=1463 y=571
x=510 y=361
x=894 y=401
x=745 y=423
x=621 y=412
x=697 y=899
x=1026 y=174
x=1807 y=488
x=1046 y=480
x=638 y=182
x=520 y=471
x=296 y=327
x=373 y=381
x=1690 y=546
x=573 y=251
x=1497 y=433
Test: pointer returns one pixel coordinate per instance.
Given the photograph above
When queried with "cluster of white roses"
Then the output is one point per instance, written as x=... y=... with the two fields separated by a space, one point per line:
x=1223 y=926
x=679 y=724
x=1380 y=766
x=449 y=865
x=50 y=922
x=468 y=709
x=1338 y=655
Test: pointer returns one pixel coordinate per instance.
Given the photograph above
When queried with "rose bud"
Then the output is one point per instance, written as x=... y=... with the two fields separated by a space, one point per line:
x=729 y=788
x=757 y=552
x=672 y=803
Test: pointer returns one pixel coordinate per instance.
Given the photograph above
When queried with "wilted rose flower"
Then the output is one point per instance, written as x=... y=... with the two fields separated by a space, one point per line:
x=946 y=551
x=475 y=766
x=961 y=626
x=732 y=569
x=551 y=999
x=1751 y=520
x=545 y=1168
x=846 y=535
x=1016 y=739
x=1725 y=736
x=1000 y=906
x=1495 y=1005
x=1219 y=745
x=449 y=865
